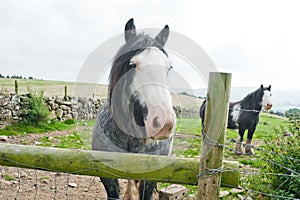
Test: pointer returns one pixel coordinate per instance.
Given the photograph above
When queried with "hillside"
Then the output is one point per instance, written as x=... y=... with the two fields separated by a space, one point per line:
x=56 y=88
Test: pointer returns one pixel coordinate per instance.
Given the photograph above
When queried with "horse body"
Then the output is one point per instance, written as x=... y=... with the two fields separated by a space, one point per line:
x=138 y=116
x=244 y=115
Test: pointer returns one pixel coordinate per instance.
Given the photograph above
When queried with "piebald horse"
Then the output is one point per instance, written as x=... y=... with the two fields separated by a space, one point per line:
x=244 y=115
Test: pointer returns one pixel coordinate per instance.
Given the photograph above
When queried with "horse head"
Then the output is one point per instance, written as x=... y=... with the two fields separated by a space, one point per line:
x=266 y=97
x=139 y=96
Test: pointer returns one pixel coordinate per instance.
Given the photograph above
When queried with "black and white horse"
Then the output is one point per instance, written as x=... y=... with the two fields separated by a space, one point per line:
x=138 y=116
x=244 y=115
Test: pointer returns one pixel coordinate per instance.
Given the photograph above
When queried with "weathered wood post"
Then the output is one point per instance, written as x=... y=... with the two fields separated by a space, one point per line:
x=66 y=93
x=16 y=87
x=215 y=123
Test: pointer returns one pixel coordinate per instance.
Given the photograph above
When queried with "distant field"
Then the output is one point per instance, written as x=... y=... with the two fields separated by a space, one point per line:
x=56 y=88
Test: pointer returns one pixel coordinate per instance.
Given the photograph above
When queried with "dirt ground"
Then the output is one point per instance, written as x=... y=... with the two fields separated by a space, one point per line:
x=27 y=184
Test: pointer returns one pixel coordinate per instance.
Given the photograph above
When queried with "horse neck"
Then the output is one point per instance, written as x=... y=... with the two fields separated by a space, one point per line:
x=251 y=103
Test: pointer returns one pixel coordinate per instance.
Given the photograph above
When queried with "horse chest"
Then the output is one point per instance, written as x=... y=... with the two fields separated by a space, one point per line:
x=235 y=114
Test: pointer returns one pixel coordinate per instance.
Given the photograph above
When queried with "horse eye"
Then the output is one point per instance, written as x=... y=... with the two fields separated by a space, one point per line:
x=132 y=65
x=170 y=68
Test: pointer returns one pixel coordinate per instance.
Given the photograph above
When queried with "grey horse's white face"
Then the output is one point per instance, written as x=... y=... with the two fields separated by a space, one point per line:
x=152 y=67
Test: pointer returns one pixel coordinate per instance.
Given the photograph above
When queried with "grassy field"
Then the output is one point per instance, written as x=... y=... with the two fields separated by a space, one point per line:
x=56 y=88
x=53 y=88
x=187 y=142
x=188 y=137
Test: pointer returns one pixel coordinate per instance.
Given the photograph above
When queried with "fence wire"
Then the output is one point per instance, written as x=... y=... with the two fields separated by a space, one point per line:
x=19 y=183
x=244 y=173
x=44 y=184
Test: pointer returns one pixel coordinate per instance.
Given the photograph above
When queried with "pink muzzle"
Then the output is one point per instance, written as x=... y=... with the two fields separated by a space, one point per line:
x=160 y=122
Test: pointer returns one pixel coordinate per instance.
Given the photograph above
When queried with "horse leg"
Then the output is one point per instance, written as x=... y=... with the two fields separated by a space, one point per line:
x=238 y=145
x=132 y=191
x=146 y=190
x=248 y=148
x=112 y=187
x=203 y=133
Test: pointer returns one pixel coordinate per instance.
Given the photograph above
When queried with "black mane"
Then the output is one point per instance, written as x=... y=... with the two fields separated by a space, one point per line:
x=252 y=100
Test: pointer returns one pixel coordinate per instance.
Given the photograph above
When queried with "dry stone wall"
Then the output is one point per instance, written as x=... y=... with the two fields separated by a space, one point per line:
x=63 y=108
x=11 y=107
x=74 y=107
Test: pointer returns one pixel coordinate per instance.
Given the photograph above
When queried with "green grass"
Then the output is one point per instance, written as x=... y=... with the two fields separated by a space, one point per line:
x=50 y=125
x=73 y=141
x=53 y=88
x=267 y=127
x=45 y=177
x=8 y=177
x=187 y=142
x=189 y=125
x=90 y=122
x=76 y=139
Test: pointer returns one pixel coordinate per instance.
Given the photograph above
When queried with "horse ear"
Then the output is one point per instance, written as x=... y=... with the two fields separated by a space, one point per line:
x=261 y=86
x=269 y=88
x=130 y=31
x=162 y=37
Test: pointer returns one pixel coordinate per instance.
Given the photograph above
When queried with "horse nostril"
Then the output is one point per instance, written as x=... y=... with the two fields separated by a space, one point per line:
x=269 y=105
x=156 y=123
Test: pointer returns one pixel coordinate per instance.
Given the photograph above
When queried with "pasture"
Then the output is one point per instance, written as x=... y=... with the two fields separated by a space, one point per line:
x=52 y=88
x=187 y=143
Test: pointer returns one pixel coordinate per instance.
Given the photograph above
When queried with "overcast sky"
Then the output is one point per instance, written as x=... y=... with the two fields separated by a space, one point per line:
x=257 y=41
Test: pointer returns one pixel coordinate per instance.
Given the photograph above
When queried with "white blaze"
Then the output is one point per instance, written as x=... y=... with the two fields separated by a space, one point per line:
x=236 y=112
x=266 y=100
x=150 y=81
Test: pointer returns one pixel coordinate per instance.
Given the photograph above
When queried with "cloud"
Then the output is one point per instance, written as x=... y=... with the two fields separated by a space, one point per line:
x=258 y=41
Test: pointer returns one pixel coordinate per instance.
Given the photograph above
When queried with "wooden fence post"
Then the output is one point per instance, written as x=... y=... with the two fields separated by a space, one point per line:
x=16 y=87
x=215 y=124
x=66 y=92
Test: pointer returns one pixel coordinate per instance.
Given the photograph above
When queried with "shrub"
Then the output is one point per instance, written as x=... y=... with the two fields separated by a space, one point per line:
x=286 y=159
x=35 y=110
x=69 y=121
x=293 y=114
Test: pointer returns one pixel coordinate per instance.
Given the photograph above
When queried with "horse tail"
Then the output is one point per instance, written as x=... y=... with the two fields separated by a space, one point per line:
x=202 y=113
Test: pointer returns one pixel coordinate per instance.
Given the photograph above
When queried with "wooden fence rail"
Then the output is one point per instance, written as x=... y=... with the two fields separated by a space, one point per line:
x=108 y=164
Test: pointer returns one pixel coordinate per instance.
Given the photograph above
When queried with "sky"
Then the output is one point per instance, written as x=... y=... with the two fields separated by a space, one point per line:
x=258 y=41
